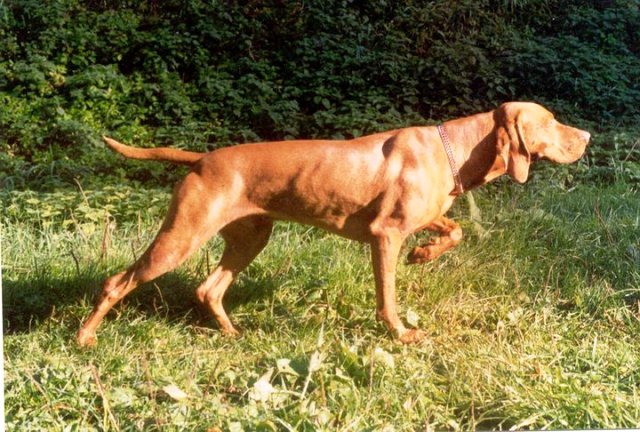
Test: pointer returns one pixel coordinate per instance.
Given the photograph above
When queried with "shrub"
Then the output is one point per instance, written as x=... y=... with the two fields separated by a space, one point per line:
x=200 y=75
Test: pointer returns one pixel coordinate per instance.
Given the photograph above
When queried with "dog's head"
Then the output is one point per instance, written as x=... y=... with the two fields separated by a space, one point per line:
x=527 y=131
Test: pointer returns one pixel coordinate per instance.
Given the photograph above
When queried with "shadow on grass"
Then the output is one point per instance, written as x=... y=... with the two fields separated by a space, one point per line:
x=173 y=297
x=29 y=303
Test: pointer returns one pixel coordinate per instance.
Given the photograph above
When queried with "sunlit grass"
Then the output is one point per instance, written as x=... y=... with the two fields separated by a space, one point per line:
x=533 y=323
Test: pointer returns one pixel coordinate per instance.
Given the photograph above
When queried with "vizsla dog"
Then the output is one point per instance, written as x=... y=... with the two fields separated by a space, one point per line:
x=377 y=189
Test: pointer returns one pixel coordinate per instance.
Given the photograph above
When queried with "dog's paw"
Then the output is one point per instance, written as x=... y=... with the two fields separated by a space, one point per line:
x=422 y=254
x=86 y=339
x=230 y=332
x=411 y=336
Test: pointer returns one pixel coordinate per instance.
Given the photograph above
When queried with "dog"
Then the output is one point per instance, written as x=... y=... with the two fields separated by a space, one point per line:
x=377 y=189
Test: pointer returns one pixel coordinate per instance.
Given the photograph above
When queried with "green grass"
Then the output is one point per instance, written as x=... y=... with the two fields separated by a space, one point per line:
x=533 y=321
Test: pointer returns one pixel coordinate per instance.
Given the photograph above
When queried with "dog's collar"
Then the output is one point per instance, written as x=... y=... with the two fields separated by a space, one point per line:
x=444 y=136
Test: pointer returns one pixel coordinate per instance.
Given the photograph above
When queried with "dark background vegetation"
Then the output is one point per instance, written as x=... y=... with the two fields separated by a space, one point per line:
x=201 y=74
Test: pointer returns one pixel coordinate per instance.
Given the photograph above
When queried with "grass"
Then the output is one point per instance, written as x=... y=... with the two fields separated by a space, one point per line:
x=533 y=322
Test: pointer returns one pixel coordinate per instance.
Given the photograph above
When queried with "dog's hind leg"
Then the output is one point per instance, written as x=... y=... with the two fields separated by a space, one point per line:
x=190 y=222
x=244 y=239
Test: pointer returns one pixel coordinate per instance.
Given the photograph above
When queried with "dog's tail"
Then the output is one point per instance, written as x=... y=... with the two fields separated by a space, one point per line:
x=164 y=154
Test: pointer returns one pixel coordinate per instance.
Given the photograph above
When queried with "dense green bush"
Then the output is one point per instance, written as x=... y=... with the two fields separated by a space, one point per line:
x=202 y=74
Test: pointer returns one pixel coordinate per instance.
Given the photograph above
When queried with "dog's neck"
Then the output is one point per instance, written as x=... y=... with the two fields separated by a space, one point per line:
x=473 y=140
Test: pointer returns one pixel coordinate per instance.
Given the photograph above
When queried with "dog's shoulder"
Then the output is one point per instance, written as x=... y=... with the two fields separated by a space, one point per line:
x=410 y=140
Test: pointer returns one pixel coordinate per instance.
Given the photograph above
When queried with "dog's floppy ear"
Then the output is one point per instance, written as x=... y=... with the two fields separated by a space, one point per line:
x=511 y=144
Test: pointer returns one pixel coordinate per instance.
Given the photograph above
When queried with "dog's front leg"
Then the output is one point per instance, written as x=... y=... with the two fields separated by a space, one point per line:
x=450 y=235
x=384 y=254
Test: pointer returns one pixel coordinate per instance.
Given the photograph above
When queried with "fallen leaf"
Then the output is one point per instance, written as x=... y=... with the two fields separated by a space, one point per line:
x=174 y=392
x=382 y=357
x=412 y=318
x=262 y=389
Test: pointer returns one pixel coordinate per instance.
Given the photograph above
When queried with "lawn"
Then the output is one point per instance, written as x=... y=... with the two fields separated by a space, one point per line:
x=533 y=320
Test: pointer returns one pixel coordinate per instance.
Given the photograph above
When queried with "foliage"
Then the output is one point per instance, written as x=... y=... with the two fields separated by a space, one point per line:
x=68 y=208
x=202 y=74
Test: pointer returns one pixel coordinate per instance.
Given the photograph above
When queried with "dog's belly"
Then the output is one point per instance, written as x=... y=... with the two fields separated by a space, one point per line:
x=345 y=217
x=353 y=216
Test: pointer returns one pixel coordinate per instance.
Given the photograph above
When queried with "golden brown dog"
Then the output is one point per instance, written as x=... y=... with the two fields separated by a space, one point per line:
x=376 y=189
